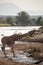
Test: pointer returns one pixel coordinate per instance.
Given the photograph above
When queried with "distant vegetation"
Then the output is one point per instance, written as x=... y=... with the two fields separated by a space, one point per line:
x=22 y=19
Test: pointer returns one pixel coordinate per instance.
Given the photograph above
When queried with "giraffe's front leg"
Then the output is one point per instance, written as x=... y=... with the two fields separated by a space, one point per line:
x=13 y=51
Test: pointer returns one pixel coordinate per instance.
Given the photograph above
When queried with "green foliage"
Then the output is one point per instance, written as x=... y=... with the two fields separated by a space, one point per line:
x=41 y=23
x=23 y=18
x=9 y=20
x=39 y=20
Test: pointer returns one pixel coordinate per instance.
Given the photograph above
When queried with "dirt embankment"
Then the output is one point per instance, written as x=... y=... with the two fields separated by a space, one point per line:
x=35 y=42
x=24 y=47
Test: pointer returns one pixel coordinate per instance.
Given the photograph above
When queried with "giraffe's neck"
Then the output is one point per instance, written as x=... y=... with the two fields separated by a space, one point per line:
x=18 y=36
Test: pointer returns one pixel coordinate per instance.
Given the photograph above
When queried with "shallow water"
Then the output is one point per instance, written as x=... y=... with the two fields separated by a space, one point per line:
x=22 y=57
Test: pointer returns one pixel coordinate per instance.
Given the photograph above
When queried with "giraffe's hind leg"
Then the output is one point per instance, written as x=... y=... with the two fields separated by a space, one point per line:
x=3 y=49
x=12 y=47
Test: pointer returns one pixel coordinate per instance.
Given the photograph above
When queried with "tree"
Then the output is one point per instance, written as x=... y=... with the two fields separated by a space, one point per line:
x=39 y=20
x=22 y=18
x=41 y=23
x=9 y=21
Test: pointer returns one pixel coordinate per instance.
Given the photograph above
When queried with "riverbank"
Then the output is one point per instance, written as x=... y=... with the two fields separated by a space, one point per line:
x=31 y=45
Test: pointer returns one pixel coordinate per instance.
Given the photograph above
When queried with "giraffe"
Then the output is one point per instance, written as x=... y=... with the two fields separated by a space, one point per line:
x=10 y=41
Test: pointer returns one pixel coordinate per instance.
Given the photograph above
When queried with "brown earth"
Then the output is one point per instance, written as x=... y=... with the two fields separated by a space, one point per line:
x=24 y=47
